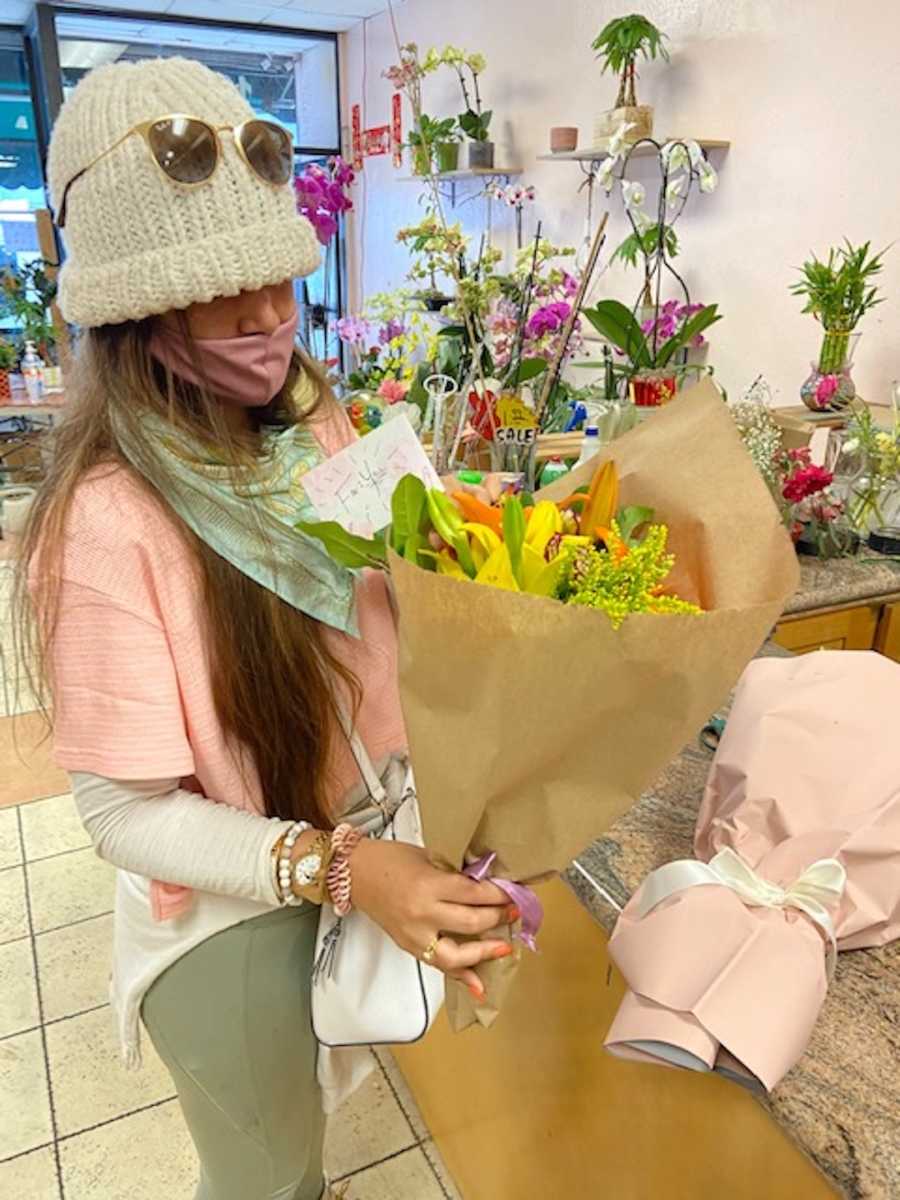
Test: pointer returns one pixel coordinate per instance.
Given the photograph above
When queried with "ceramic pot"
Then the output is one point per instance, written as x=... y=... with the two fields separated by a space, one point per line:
x=563 y=139
x=481 y=156
x=15 y=505
x=640 y=116
x=447 y=155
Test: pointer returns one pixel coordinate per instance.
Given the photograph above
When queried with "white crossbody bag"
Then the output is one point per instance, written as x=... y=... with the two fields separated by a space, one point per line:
x=366 y=991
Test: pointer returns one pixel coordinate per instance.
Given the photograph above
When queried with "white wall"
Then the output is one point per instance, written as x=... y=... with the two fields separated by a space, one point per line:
x=808 y=92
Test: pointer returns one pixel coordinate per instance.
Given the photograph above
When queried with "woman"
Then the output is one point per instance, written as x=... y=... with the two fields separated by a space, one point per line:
x=205 y=670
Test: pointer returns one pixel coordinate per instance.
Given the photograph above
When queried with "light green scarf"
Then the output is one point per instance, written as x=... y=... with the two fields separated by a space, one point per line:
x=249 y=519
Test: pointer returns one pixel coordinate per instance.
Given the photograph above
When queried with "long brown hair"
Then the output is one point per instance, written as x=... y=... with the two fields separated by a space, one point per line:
x=273 y=674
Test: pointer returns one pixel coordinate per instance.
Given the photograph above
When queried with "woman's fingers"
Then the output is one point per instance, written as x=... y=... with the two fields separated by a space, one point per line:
x=473 y=919
x=451 y=956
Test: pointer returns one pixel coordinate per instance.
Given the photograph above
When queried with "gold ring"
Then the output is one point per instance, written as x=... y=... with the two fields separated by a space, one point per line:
x=430 y=950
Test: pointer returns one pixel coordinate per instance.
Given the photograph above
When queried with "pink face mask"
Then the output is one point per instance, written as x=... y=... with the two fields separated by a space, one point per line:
x=248 y=370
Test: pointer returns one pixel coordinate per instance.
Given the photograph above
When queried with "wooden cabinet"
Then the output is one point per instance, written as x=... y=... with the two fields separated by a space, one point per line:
x=873 y=626
x=887 y=639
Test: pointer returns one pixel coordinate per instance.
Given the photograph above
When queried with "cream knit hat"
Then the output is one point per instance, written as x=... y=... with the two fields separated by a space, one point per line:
x=138 y=244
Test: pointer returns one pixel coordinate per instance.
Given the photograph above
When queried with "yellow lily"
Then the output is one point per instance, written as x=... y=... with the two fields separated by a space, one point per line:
x=539 y=577
x=497 y=571
x=448 y=565
x=545 y=521
x=483 y=542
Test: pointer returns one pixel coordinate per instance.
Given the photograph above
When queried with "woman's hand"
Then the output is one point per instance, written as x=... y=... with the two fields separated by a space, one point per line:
x=488 y=491
x=414 y=902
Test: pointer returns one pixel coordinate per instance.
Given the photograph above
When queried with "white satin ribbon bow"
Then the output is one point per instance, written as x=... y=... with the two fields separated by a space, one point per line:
x=818 y=889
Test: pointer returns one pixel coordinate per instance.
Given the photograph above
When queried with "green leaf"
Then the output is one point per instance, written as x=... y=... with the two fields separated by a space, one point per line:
x=620 y=326
x=697 y=323
x=630 y=519
x=452 y=331
x=414 y=543
x=345 y=548
x=514 y=532
x=407 y=507
x=529 y=368
x=460 y=544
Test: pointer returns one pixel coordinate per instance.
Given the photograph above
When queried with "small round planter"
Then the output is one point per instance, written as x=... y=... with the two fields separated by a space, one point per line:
x=435 y=303
x=563 y=139
x=639 y=117
x=447 y=156
x=829 y=387
x=481 y=156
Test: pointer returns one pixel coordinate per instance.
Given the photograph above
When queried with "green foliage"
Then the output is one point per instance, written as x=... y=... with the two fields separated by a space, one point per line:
x=620 y=327
x=630 y=520
x=514 y=531
x=345 y=548
x=9 y=356
x=528 y=368
x=620 y=42
x=475 y=125
x=839 y=291
x=26 y=294
x=646 y=244
x=408 y=512
x=431 y=132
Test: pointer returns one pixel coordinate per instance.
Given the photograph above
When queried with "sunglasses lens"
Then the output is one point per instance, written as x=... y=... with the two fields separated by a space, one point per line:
x=269 y=151
x=186 y=149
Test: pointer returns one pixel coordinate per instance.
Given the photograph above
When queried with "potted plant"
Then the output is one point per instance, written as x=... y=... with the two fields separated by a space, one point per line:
x=447 y=137
x=838 y=292
x=651 y=355
x=475 y=121
x=8 y=361
x=26 y=294
x=618 y=45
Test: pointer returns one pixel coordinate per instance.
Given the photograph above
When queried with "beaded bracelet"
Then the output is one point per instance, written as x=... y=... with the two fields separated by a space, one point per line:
x=344 y=841
x=285 y=890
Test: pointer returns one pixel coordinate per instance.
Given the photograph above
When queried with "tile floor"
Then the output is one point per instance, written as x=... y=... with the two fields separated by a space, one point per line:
x=74 y=1125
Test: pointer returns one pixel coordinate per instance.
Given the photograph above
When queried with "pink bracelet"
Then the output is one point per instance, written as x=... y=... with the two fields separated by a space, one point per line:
x=344 y=841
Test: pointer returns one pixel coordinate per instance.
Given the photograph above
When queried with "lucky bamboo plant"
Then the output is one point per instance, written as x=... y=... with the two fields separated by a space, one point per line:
x=839 y=292
x=620 y=42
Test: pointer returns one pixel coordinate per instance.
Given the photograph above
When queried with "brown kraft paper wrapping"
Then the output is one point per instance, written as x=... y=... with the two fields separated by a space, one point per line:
x=533 y=725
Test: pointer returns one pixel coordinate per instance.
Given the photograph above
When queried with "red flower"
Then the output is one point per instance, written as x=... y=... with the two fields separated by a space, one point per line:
x=806 y=482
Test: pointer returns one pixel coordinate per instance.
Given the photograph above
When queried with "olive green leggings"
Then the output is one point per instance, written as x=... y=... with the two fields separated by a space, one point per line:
x=231 y=1022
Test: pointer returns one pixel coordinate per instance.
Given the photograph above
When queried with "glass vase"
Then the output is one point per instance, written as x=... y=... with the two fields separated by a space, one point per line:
x=829 y=387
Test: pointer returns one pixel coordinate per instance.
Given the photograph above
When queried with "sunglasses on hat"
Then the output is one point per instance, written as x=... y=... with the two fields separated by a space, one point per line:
x=187 y=151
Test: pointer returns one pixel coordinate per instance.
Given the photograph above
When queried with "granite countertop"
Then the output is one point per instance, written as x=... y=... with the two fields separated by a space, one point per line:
x=842 y=582
x=841 y=1103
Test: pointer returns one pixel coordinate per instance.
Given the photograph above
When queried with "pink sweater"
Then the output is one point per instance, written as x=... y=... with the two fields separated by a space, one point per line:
x=132 y=688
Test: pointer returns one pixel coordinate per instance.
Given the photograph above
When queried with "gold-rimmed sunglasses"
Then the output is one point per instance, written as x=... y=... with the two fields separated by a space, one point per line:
x=187 y=151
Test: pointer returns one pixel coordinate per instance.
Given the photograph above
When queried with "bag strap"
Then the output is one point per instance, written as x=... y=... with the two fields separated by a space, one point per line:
x=370 y=776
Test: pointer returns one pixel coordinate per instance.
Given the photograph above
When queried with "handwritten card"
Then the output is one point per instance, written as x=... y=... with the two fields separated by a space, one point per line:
x=354 y=487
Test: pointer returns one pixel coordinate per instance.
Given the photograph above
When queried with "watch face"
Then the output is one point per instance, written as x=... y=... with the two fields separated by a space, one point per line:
x=307 y=869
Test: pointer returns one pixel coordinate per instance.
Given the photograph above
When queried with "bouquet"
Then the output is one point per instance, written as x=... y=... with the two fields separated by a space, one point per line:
x=728 y=958
x=539 y=708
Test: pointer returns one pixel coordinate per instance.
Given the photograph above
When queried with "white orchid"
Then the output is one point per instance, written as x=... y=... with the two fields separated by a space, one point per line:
x=605 y=175
x=709 y=180
x=617 y=141
x=642 y=220
x=695 y=154
x=634 y=194
x=674 y=156
x=675 y=190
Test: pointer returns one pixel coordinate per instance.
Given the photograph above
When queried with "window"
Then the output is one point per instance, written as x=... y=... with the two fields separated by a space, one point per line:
x=290 y=78
x=21 y=181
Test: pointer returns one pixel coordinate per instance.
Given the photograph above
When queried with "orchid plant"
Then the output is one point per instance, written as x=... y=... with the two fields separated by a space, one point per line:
x=323 y=196
x=475 y=121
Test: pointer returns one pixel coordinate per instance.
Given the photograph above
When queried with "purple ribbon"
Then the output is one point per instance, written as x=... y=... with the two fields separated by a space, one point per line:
x=530 y=908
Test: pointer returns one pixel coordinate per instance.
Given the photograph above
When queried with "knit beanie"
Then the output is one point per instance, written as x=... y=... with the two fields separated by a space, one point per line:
x=138 y=244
